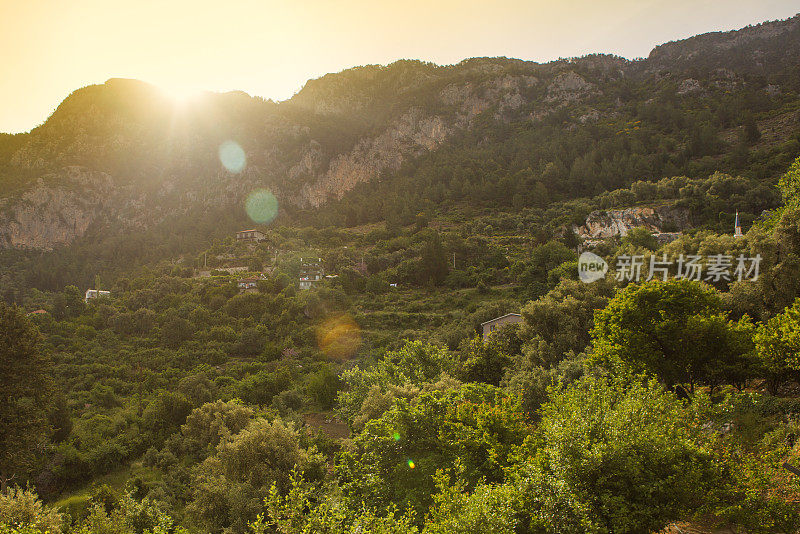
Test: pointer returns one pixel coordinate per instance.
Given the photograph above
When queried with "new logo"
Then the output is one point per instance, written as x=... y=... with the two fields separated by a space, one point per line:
x=591 y=267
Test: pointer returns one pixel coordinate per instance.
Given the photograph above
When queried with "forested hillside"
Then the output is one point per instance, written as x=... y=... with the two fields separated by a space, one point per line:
x=335 y=369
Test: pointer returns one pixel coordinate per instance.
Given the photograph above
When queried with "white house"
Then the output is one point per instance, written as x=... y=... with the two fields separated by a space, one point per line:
x=95 y=294
x=249 y=283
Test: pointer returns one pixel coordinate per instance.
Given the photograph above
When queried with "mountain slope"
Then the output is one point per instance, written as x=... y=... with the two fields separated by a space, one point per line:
x=121 y=157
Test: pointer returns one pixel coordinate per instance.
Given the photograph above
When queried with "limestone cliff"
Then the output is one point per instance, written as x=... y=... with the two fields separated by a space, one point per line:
x=56 y=210
x=610 y=223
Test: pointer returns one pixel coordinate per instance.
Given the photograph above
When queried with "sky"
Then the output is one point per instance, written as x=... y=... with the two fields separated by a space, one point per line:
x=270 y=48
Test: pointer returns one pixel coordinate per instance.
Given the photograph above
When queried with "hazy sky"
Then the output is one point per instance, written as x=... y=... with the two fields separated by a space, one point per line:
x=270 y=48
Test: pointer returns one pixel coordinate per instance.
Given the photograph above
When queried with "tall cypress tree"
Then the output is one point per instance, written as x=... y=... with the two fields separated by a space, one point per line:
x=434 y=260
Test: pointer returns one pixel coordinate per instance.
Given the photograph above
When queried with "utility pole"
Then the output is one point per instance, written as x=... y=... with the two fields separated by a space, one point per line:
x=454 y=260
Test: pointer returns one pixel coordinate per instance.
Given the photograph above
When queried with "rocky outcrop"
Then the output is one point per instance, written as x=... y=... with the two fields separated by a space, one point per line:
x=407 y=137
x=56 y=210
x=689 y=86
x=603 y=224
x=568 y=86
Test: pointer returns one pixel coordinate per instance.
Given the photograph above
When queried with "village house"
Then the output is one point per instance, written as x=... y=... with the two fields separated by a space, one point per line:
x=95 y=294
x=249 y=283
x=310 y=272
x=490 y=326
x=250 y=235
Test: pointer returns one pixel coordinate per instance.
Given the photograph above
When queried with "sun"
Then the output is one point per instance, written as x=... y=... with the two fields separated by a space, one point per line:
x=181 y=94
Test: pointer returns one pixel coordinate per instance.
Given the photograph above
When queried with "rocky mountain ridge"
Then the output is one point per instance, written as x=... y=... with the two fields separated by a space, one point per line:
x=341 y=130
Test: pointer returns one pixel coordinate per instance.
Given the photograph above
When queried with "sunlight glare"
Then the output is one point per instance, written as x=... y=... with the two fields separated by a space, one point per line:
x=181 y=94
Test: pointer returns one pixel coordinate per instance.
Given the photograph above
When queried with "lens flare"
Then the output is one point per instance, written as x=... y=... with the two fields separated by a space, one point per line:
x=339 y=337
x=411 y=464
x=396 y=436
x=261 y=206
x=232 y=156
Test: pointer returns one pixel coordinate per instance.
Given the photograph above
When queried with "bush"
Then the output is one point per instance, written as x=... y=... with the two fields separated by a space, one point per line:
x=165 y=413
x=323 y=386
x=22 y=508
x=393 y=460
x=608 y=451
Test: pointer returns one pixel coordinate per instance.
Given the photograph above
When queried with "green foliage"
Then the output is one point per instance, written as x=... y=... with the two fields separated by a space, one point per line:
x=756 y=492
x=323 y=386
x=789 y=185
x=393 y=460
x=261 y=388
x=559 y=323
x=175 y=331
x=486 y=361
x=306 y=509
x=674 y=329
x=614 y=456
x=778 y=345
x=228 y=487
x=750 y=133
x=251 y=343
x=207 y=426
x=68 y=303
x=544 y=259
x=488 y=508
x=128 y=517
x=24 y=529
x=166 y=412
x=415 y=363
x=21 y=512
x=433 y=265
x=641 y=238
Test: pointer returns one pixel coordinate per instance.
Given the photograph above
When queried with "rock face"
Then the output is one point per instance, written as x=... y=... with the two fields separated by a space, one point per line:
x=407 y=137
x=568 y=86
x=55 y=211
x=688 y=86
x=604 y=224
